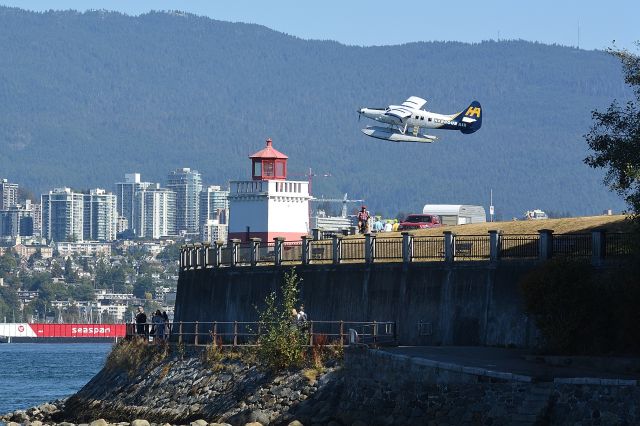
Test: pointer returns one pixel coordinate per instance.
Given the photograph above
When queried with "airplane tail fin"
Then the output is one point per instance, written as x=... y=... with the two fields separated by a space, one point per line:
x=472 y=117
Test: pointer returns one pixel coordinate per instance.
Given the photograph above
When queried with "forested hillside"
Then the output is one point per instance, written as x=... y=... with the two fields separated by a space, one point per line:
x=87 y=97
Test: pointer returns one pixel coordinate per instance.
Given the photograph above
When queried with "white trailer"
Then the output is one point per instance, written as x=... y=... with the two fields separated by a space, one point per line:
x=456 y=214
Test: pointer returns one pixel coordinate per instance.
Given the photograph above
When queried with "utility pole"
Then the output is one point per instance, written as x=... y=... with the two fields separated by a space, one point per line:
x=491 y=206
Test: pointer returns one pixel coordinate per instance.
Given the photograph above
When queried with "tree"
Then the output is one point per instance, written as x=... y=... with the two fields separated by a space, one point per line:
x=615 y=137
x=144 y=284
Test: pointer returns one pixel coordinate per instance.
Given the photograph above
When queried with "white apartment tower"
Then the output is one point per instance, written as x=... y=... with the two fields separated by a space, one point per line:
x=155 y=213
x=126 y=192
x=187 y=184
x=214 y=208
x=8 y=194
x=63 y=215
x=100 y=216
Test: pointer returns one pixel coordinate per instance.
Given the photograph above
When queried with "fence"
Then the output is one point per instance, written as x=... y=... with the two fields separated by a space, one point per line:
x=246 y=333
x=494 y=246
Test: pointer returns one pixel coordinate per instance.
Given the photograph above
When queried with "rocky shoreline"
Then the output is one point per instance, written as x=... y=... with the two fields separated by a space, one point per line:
x=369 y=388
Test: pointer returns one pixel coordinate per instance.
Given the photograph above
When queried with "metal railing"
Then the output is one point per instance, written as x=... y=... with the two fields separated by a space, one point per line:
x=409 y=248
x=572 y=245
x=618 y=244
x=471 y=247
x=519 y=246
x=247 y=333
x=388 y=249
x=428 y=248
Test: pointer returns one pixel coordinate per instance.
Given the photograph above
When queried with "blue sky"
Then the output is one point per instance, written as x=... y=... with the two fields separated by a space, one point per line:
x=375 y=22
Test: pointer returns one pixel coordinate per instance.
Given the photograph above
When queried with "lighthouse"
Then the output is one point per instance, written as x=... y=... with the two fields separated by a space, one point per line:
x=268 y=205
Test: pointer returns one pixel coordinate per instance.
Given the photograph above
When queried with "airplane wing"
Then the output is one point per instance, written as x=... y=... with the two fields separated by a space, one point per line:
x=414 y=102
x=397 y=114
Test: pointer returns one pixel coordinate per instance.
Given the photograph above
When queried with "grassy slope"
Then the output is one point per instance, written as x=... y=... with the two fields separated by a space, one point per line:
x=616 y=223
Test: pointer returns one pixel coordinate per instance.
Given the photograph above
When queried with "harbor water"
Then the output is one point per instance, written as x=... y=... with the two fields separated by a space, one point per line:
x=34 y=373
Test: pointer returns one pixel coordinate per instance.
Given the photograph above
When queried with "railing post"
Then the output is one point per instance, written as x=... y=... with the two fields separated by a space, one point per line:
x=202 y=257
x=255 y=246
x=369 y=247
x=310 y=333
x=337 y=245
x=341 y=333
x=215 y=333
x=195 y=340
x=235 y=334
x=182 y=257
x=208 y=255
x=235 y=243
x=598 y=246
x=375 y=332
x=449 y=246
x=277 y=251
x=546 y=244
x=315 y=233
x=193 y=259
x=407 y=247
x=205 y=254
x=306 y=242
x=494 y=245
x=180 y=332
x=217 y=261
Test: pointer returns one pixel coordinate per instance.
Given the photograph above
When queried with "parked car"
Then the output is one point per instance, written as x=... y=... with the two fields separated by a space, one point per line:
x=420 y=221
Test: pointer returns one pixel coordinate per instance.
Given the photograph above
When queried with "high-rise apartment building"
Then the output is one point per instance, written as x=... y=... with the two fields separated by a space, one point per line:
x=214 y=211
x=17 y=221
x=100 y=215
x=187 y=184
x=63 y=215
x=125 y=192
x=214 y=204
x=155 y=213
x=8 y=194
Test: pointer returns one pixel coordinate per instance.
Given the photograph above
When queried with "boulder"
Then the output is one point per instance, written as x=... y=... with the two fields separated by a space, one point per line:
x=36 y=423
x=295 y=423
x=199 y=422
x=140 y=422
x=13 y=424
x=99 y=422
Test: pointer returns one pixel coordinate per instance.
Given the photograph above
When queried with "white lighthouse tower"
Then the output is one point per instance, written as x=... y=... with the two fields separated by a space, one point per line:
x=269 y=205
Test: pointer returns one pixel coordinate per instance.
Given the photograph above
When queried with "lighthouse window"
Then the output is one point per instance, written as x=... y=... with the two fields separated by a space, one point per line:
x=268 y=168
x=257 y=168
x=279 y=168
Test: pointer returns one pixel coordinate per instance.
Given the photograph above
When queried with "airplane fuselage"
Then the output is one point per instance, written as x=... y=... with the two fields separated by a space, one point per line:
x=419 y=117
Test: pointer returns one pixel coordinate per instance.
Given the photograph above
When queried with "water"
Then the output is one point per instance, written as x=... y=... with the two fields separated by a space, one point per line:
x=33 y=373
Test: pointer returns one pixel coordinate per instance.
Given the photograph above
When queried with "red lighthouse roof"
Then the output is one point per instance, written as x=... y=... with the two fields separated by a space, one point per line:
x=268 y=164
x=269 y=152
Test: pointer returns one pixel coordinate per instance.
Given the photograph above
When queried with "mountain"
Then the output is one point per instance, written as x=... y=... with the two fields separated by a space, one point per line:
x=87 y=97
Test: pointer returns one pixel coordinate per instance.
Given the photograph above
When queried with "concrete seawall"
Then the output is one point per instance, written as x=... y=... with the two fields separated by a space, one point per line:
x=437 y=303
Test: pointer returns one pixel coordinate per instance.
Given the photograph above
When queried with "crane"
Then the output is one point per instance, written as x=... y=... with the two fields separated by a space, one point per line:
x=343 y=200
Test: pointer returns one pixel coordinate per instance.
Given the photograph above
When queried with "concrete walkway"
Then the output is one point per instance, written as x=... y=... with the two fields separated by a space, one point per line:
x=588 y=370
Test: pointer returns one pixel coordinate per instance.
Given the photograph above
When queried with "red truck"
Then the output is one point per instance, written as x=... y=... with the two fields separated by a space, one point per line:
x=420 y=221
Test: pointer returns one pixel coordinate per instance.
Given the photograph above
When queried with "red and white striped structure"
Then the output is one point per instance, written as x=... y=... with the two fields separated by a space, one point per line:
x=269 y=205
x=40 y=330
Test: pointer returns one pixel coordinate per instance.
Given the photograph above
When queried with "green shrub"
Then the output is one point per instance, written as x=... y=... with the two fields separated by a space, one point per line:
x=281 y=343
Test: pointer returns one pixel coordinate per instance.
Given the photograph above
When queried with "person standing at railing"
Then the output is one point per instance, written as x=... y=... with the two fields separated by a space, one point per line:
x=167 y=325
x=141 y=322
x=301 y=319
x=158 y=326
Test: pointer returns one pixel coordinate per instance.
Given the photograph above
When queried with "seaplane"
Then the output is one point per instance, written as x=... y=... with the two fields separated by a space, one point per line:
x=405 y=123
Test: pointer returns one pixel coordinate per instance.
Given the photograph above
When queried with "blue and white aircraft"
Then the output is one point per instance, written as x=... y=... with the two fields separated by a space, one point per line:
x=405 y=122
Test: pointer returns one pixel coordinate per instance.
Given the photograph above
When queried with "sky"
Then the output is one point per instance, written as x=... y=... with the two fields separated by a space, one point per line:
x=588 y=24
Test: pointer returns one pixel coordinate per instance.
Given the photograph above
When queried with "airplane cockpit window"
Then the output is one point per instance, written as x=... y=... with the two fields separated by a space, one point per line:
x=429 y=118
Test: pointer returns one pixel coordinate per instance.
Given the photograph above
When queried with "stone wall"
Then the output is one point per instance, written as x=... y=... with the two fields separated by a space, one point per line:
x=466 y=303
